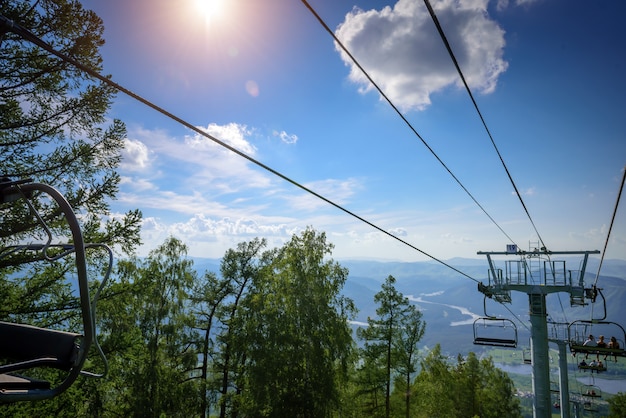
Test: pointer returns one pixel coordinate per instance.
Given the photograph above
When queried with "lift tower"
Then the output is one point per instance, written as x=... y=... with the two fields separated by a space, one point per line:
x=537 y=274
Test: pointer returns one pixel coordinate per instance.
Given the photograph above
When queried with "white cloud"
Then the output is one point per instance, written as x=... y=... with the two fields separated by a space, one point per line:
x=135 y=155
x=398 y=232
x=212 y=166
x=530 y=191
x=137 y=184
x=151 y=224
x=197 y=162
x=176 y=202
x=285 y=137
x=596 y=233
x=213 y=199
x=449 y=238
x=232 y=134
x=202 y=227
x=337 y=191
x=504 y=4
x=525 y=2
x=401 y=50
x=210 y=236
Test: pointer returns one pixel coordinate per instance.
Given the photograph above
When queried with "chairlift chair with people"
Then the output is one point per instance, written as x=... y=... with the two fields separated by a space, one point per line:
x=592 y=365
x=591 y=391
x=600 y=338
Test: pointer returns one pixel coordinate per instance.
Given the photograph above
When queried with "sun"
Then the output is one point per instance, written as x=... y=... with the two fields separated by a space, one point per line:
x=210 y=10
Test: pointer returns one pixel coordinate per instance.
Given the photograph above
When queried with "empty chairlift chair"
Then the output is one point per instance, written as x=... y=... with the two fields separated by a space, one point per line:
x=26 y=349
x=495 y=332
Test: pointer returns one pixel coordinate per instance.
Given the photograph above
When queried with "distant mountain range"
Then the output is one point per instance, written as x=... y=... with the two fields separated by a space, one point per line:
x=451 y=301
x=442 y=292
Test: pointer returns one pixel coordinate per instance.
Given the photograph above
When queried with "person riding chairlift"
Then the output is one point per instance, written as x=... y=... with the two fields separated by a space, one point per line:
x=590 y=342
x=614 y=345
x=600 y=344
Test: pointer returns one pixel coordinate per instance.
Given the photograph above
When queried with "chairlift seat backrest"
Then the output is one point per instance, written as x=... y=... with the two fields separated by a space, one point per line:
x=38 y=346
x=495 y=342
x=498 y=326
x=10 y=382
x=24 y=348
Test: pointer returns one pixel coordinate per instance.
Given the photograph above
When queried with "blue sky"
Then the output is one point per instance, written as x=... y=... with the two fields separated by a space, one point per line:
x=266 y=78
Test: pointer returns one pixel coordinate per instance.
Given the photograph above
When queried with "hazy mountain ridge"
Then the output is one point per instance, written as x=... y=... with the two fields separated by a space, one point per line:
x=444 y=288
x=441 y=289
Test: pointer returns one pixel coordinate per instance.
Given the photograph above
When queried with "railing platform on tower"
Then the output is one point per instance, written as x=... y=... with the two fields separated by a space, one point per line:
x=537 y=272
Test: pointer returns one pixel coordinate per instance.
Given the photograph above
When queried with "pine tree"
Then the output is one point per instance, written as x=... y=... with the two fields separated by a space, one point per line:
x=53 y=128
x=390 y=346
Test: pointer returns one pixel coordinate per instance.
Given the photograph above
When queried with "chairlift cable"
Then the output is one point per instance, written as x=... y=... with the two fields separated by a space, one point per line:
x=608 y=235
x=26 y=34
x=469 y=91
x=411 y=127
x=619 y=195
x=515 y=316
x=399 y=113
x=558 y=295
x=482 y=119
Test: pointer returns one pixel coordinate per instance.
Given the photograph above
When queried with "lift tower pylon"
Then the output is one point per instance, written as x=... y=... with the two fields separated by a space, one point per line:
x=521 y=274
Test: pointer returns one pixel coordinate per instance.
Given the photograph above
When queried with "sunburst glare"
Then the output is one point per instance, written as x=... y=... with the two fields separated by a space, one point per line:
x=210 y=10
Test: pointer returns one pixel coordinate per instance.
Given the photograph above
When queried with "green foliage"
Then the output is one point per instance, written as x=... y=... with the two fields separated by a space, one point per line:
x=148 y=336
x=269 y=337
x=390 y=347
x=470 y=388
x=435 y=387
x=298 y=339
x=54 y=128
x=617 y=405
x=412 y=330
x=239 y=268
